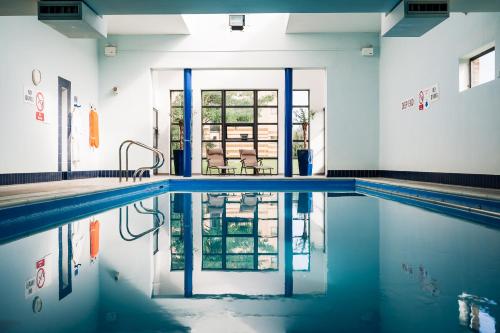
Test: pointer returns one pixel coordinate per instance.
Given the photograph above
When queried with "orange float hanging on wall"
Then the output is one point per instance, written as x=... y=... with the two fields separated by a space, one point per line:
x=93 y=128
x=94 y=239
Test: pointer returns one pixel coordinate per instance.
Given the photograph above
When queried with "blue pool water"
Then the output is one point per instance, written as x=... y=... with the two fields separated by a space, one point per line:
x=231 y=261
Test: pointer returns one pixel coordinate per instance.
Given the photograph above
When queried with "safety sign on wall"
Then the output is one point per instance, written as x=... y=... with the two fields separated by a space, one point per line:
x=41 y=278
x=38 y=100
x=29 y=95
x=40 y=106
x=425 y=97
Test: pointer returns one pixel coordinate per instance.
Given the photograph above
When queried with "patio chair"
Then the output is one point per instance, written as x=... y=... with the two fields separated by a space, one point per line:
x=216 y=160
x=250 y=161
x=248 y=202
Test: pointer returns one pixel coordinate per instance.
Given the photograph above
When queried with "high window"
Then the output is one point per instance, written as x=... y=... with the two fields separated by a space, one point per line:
x=482 y=67
x=240 y=119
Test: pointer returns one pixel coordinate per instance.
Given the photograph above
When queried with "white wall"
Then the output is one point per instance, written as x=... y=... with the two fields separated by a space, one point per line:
x=314 y=80
x=29 y=145
x=461 y=132
x=351 y=95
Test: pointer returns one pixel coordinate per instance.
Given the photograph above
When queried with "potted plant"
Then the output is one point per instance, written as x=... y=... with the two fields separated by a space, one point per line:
x=305 y=155
x=178 y=117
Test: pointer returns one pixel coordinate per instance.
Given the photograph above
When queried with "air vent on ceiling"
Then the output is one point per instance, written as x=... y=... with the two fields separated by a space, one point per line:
x=72 y=18
x=412 y=18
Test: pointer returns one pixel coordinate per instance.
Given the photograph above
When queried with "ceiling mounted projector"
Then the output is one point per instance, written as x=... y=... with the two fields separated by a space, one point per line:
x=413 y=18
x=72 y=18
x=237 y=22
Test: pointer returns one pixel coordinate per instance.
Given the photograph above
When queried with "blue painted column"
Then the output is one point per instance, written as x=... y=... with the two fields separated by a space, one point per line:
x=288 y=245
x=188 y=106
x=288 y=122
x=188 y=244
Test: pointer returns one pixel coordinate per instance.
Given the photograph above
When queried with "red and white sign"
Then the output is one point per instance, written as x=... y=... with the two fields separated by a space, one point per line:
x=40 y=278
x=40 y=106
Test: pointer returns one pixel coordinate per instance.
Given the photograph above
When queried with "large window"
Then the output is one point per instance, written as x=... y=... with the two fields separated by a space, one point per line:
x=176 y=120
x=240 y=119
x=176 y=232
x=301 y=105
x=482 y=67
x=240 y=231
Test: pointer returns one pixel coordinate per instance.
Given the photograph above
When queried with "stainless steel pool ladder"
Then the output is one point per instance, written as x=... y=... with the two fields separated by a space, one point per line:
x=140 y=171
x=158 y=218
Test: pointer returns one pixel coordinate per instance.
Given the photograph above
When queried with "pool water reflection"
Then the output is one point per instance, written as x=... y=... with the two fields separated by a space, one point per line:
x=255 y=262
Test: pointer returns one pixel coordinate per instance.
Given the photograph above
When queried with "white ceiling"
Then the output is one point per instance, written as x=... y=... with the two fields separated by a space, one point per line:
x=146 y=24
x=334 y=22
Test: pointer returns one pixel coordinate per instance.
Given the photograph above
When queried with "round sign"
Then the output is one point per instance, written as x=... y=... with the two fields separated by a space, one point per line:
x=40 y=277
x=40 y=100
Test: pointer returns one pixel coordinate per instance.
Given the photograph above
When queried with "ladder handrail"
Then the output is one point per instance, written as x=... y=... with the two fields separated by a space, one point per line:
x=158 y=223
x=140 y=171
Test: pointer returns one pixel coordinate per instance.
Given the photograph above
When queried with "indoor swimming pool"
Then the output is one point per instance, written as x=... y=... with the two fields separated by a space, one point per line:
x=250 y=261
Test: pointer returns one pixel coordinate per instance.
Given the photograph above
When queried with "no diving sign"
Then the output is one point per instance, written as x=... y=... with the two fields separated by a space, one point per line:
x=40 y=106
x=41 y=278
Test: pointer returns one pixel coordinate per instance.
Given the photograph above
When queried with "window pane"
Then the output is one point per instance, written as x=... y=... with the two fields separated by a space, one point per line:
x=267 y=98
x=233 y=148
x=176 y=114
x=175 y=133
x=211 y=98
x=300 y=115
x=177 y=262
x=301 y=262
x=268 y=132
x=240 y=132
x=239 y=115
x=176 y=98
x=212 y=132
x=268 y=262
x=301 y=244
x=206 y=145
x=268 y=228
x=300 y=97
x=297 y=132
x=271 y=163
x=212 y=226
x=175 y=226
x=211 y=115
x=212 y=262
x=174 y=146
x=239 y=262
x=239 y=98
x=177 y=245
x=268 y=115
x=268 y=149
x=268 y=210
x=239 y=244
x=483 y=69
x=212 y=245
x=296 y=146
x=239 y=228
x=268 y=245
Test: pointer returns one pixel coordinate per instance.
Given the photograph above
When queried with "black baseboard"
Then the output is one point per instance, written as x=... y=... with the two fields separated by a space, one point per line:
x=38 y=177
x=461 y=179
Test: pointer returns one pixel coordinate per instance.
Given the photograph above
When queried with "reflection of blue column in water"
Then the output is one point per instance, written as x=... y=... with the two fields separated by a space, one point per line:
x=188 y=245
x=288 y=122
x=288 y=245
x=187 y=122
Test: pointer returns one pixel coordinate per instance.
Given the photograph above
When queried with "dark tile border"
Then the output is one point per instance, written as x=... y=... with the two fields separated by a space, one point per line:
x=461 y=179
x=38 y=177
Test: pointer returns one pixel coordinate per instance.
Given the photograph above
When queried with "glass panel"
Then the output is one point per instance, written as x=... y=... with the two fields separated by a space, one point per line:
x=239 y=115
x=300 y=97
x=482 y=69
x=239 y=262
x=301 y=262
x=239 y=98
x=233 y=148
x=175 y=226
x=206 y=145
x=300 y=115
x=301 y=244
x=212 y=245
x=177 y=262
x=211 y=98
x=234 y=210
x=268 y=262
x=212 y=132
x=268 y=210
x=268 y=115
x=271 y=163
x=268 y=245
x=212 y=226
x=295 y=166
x=176 y=114
x=176 y=98
x=240 y=132
x=268 y=149
x=239 y=228
x=268 y=228
x=268 y=132
x=267 y=98
x=296 y=146
x=239 y=244
x=211 y=115
x=175 y=132
x=177 y=245
x=174 y=146
x=297 y=132
x=212 y=262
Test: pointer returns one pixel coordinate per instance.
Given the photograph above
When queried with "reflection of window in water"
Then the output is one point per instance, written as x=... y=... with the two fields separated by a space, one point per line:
x=473 y=312
x=176 y=236
x=240 y=231
x=427 y=283
x=301 y=231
